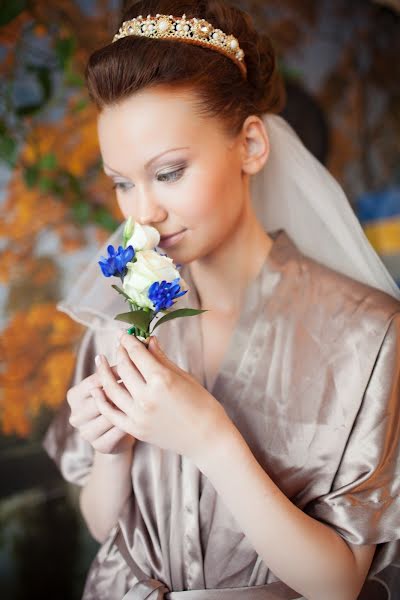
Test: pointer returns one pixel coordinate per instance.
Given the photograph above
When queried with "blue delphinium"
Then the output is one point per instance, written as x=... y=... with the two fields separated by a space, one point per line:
x=115 y=263
x=163 y=293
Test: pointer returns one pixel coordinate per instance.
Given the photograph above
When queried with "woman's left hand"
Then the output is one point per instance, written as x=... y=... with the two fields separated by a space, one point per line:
x=162 y=404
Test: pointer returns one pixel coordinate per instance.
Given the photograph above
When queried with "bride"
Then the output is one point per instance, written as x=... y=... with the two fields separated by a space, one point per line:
x=256 y=447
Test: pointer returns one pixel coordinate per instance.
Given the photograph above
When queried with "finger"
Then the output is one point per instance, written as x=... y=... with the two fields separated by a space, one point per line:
x=120 y=397
x=84 y=413
x=114 y=415
x=83 y=388
x=145 y=361
x=106 y=442
x=128 y=372
x=97 y=427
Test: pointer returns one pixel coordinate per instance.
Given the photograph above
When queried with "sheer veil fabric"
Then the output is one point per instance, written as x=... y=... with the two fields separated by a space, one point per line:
x=294 y=192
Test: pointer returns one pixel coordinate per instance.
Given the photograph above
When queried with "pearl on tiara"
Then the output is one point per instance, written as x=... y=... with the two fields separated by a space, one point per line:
x=193 y=31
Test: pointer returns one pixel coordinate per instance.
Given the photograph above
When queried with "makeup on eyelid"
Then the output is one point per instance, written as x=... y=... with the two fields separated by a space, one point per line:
x=175 y=170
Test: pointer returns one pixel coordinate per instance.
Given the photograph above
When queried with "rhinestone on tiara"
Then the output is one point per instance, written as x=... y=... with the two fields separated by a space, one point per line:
x=194 y=31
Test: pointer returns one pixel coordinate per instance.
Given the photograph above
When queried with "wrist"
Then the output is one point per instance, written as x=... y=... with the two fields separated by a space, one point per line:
x=116 y=457
x=219 y=445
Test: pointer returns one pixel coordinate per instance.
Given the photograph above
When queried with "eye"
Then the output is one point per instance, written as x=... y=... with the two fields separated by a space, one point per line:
x=120 y=185
x=172 y=176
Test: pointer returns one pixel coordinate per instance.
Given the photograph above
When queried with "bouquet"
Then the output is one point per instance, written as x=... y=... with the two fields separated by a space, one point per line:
x=150 y=281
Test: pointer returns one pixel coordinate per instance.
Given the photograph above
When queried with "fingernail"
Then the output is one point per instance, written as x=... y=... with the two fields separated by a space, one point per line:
x=97 y=360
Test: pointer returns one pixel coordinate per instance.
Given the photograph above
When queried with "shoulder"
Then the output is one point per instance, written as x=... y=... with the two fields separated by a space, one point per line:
x=357 y=300
x=330 y=295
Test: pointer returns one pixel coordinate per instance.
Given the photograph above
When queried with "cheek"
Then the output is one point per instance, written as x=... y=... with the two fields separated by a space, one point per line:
x=203 y=199
x=124 y=205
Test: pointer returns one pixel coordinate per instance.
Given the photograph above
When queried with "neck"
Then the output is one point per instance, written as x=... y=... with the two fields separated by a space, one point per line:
x=222 y=277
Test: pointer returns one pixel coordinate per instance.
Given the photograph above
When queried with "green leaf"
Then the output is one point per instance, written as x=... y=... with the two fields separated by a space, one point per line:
x=58 y=190
x=74 y=79
x=43 y=75
x=10 y=9
x=182 y=312
x=31 y=175
x=81 y=211
x=28 y=109
x=8 y=149
x=64 y=50
x=80 y=105
x=103 y=217
x=46 y=184
x=139 y=318
x=48 y=161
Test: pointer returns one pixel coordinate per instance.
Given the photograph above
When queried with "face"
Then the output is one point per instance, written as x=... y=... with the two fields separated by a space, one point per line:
x=173 y=170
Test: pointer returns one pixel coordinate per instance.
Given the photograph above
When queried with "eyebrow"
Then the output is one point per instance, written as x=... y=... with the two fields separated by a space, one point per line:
x=152 y=160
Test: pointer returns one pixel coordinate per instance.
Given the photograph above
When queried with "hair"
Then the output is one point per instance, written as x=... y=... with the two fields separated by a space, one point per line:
x=134 y=63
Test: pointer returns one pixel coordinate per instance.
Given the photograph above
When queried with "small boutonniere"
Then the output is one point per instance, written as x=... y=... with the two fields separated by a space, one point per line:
x=151 y=282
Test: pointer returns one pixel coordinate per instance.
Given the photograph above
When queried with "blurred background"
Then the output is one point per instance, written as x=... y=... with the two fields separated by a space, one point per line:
x=340 y=60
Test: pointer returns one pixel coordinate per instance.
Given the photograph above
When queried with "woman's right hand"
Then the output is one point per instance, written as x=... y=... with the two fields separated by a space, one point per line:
x=91 y=424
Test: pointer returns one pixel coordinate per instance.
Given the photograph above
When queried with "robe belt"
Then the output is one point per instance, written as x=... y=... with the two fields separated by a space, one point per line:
x=151 y=589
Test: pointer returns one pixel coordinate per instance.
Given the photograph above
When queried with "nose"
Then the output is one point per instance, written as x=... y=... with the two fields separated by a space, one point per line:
x=148 y=210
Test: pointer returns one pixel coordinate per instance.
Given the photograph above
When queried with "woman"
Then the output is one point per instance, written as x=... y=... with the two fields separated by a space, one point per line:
x=258 y=450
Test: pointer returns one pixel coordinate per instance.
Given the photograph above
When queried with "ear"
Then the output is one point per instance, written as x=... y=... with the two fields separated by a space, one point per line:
x=255 y=145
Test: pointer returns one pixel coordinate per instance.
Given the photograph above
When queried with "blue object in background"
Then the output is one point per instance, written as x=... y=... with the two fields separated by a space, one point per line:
x=379 y=215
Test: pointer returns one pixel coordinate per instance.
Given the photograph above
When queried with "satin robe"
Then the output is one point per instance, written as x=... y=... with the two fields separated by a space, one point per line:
x=311 y=378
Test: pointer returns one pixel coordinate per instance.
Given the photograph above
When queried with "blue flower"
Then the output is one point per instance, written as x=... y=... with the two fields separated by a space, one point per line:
x=163 y=293
x=115 y=264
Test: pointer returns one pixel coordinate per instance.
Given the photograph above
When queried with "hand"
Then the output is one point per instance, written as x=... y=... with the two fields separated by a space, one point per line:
x=91 y=424
x=162 y=404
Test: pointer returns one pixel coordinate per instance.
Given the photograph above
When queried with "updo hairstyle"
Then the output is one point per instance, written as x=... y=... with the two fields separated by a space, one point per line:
x=132 y=64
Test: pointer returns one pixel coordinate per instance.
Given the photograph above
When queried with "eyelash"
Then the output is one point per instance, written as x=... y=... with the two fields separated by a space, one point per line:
x=120 y=185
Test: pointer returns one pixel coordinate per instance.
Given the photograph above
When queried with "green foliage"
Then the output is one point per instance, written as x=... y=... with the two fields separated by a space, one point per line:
x=48 y=161
x=31 y=175
x=182 y=312
x=44 y=173
x=10 y=9
x=64 y=48
x=81 y=211
x=139 y=318
x=102 y=216
x=8 y=146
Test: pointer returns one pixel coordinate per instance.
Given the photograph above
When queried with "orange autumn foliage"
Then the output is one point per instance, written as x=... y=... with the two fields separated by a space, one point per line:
x=73 y=140
x=37 y=354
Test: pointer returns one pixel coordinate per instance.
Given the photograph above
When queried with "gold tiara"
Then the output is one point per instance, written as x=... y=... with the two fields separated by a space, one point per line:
x=194 y=31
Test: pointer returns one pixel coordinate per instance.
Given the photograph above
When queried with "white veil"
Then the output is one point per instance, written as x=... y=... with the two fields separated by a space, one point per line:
x=294 y=192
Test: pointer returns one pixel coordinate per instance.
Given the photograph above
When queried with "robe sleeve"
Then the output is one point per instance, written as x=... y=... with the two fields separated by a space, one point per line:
x=72 y=454
x=363 y=505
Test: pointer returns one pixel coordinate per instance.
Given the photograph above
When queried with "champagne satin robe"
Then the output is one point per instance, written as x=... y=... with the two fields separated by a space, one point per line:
x=311 y=378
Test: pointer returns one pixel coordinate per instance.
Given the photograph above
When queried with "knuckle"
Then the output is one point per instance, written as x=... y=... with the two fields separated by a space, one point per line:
x=108 y=387
x=141 y=431
x=121 y=354
x=97 y=445
x=161 y=378
x=70 y=395
x=149 y=406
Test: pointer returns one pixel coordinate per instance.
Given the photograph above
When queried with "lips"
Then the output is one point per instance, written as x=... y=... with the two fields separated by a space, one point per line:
x=165 y=237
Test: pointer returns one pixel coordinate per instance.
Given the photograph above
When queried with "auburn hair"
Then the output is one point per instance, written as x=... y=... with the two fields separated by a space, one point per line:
x=132 y=64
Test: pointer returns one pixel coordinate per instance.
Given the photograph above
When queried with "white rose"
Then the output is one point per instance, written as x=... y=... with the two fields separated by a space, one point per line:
x=144 y=237
x=149 y=267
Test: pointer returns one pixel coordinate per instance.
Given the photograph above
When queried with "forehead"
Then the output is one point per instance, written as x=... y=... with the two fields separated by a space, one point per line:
x=150 y=117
